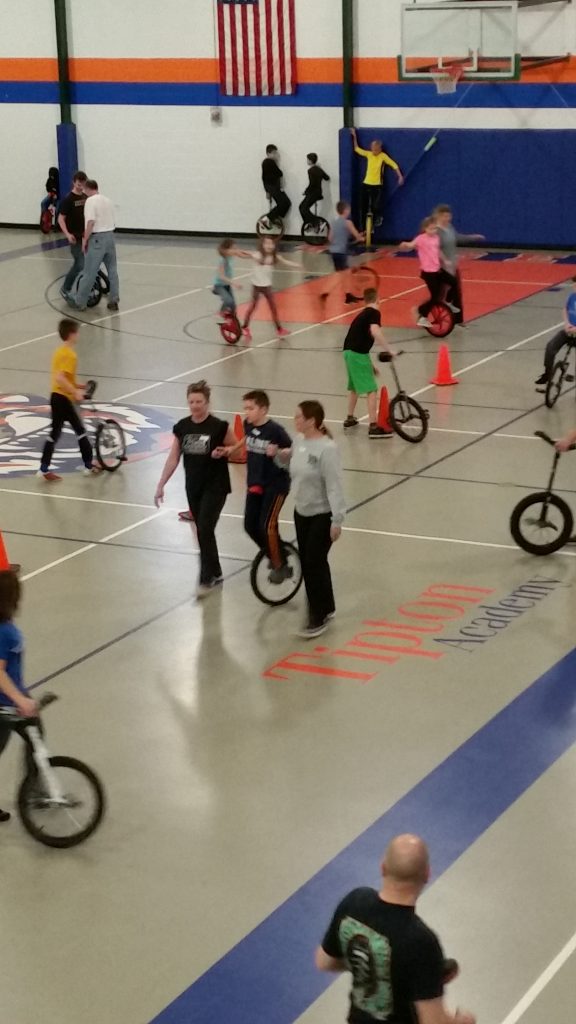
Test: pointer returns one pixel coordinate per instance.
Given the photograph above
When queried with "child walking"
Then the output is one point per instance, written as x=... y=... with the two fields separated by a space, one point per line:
x=266 y=257
x=437 y=279
x=224 y=278
x=342 y=232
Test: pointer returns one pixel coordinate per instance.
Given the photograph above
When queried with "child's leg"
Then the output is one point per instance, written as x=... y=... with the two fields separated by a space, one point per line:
x=371 y=403
x=435 y=287
x=58 y=406
x=81 y=436
x=252 y=306
x=352 y=402
x=269 y=296
x=269 y=515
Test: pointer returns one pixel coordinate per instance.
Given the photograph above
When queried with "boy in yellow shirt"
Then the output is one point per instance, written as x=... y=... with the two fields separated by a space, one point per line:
x=65 y=392
x=376 y=161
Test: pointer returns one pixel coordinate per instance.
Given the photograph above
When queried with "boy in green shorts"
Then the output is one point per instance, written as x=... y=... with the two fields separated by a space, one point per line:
x=364 y=330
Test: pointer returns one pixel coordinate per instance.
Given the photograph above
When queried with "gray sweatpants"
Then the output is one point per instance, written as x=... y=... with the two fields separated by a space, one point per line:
x=101 y=249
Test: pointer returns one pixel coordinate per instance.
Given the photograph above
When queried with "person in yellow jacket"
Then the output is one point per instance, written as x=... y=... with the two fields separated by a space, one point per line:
x=376 y=161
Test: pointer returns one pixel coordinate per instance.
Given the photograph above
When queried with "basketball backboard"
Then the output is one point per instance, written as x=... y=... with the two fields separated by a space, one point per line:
x=482 y=37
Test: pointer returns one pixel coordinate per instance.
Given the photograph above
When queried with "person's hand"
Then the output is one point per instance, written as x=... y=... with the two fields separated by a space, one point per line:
x=562 y=445
x=335 y=532
x=400 y=179
x=393 y=352
x=272 y=451
x=221 y=452
x=71 y=239
x=464 y=1017
x=159 y=496
x=84 y=245
x=27 y=707
x=353 y=133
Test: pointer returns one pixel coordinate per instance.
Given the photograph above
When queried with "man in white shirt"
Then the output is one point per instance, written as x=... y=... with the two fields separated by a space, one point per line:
x=98 y=246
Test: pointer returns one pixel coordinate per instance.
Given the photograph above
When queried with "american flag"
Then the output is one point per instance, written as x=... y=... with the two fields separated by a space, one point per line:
x=257 y=47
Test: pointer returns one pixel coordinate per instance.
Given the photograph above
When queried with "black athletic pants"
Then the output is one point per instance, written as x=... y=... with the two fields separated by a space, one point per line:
x=261 y=523
x=306 y=205
x=553 y=347
x=206 y=508
x=438 y=282
x=282 y=202
x=64 y=411
x=454 y=295
x=314 y=543
x=371 y=199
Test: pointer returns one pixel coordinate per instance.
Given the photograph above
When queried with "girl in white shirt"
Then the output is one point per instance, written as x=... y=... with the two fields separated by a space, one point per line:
x=265 y=258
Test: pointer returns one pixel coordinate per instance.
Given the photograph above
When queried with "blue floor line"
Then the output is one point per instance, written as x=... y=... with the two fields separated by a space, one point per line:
x=269 y=975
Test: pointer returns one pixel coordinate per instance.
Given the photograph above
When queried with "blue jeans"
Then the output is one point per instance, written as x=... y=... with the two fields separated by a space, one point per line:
x=77 y=265
x=226 y=295
x=101 y=249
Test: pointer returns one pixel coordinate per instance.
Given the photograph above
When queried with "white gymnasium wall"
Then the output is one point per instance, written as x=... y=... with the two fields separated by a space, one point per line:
x=27 y=132
x=170 y=167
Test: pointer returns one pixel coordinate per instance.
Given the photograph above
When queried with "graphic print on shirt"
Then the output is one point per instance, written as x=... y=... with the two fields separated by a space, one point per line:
x=256 y=444
x=196 y=444
x=368 y=955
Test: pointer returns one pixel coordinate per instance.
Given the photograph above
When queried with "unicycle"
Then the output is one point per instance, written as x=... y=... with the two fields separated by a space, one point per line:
x=440 y=320
x=558 y=376
x=230 y=327
x=542 y=523
x=268 y=227
x=60 y=800
x=315 y=231
x=276 y=586
x=407 y=417
x=109 y=438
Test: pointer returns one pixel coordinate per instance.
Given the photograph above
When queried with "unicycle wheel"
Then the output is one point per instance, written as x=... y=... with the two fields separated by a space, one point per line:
x=266 y=227
x=280 y=591
x=315 y=232
x=408 y=418
x=440 y=320
x=110 y=445
x=363 y=277
x=541 y=523
x=230 y=329
x=71 y=820
x=554 y=385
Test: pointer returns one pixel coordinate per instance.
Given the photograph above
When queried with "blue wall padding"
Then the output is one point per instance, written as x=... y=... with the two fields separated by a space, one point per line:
x=67 y=155
x=513 y=186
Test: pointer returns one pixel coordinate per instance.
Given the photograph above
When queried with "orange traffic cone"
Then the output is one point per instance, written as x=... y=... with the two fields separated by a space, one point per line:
x=240 y=456
x=383 y=410
x=443 y=369
x=4 y=562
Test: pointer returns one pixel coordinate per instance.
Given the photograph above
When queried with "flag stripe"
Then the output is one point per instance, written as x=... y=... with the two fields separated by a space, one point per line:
x=256 y=41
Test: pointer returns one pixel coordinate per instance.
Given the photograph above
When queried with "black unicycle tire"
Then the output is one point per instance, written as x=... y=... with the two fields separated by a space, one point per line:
x=263 y=232
x=46 y=222
x=440 y=320
x=397 y=410
x=231 y=330
x=62 y=842
x=554 y=385
x=310 y=233
x=262 y=556
x=364 y=276
x=538 y=499
x=114 y=464
x=104 y=281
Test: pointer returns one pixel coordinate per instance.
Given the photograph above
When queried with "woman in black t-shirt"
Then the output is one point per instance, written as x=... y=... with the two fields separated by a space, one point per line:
x=199 y=438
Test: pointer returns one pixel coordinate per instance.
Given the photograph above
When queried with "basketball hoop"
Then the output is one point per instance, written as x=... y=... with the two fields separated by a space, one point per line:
x=446 y=78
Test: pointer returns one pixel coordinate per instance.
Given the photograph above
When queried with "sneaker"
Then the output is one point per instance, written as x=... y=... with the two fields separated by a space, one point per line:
x=330 y=616
x=4 y=816
x=350 y=421
x=422 y=322
x=350 y=299
x=569 y=378
x=91 y=471
x=282 y=332
x=283 y=572
x=374 y=431
x=309 y=632
x=51 y=477
x=113 y=307
x=247 y=333
x=378 y=222
x=265 y=222
x=455 y=309
x=542 y=379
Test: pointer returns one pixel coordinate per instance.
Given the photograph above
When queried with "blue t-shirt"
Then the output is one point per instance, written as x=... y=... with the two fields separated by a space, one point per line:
x=228 y=273
x=262 y=471
x=11 y=649
x=571 y=309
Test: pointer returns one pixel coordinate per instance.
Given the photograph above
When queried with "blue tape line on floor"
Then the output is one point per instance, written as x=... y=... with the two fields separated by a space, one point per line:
x=270 y=975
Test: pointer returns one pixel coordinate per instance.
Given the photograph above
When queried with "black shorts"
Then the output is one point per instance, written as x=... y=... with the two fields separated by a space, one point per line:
x=340 y=260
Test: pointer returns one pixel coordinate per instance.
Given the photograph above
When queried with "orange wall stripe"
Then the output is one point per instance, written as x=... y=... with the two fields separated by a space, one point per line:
x=28 y=69
x=175 y=69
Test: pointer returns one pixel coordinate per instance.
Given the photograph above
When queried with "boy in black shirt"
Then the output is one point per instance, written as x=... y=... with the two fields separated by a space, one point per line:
x=397 y=964
x=313 y=191
x=364 y=330
x=268 y=484
x=71 y=221
x=272 y=182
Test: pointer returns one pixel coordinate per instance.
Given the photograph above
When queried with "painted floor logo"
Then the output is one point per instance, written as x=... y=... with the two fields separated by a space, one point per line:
x=25 y=422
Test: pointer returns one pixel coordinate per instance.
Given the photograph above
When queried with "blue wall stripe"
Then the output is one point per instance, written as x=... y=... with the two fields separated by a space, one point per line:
x=269 y=975
x=483 y=95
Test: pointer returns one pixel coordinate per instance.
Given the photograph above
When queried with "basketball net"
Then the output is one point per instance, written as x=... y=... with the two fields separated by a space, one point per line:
x=446 y=78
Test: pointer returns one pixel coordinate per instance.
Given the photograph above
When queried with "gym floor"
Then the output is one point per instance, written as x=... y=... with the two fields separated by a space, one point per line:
x=252 y=779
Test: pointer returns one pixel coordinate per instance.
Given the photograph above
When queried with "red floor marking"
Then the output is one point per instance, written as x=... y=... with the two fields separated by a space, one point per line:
x=487 y=288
